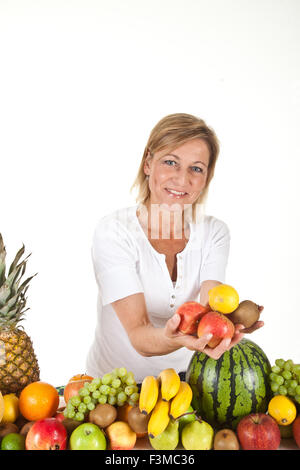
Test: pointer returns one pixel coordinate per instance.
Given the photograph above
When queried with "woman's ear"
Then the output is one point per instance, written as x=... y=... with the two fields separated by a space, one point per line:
x=147 y=164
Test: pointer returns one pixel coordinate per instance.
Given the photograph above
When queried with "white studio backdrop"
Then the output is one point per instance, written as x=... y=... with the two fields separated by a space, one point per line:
x=82 y=84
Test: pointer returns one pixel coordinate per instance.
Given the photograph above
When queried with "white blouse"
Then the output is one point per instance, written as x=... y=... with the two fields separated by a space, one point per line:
x=126 y=263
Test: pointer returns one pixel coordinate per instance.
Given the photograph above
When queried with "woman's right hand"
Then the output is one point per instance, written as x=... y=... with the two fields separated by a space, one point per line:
x=190 y=342
x=200 y=344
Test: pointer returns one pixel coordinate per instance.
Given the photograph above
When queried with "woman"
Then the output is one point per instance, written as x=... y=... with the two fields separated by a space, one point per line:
x=151 y=258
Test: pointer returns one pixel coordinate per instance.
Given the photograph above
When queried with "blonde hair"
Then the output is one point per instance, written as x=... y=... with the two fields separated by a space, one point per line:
x=170 y=132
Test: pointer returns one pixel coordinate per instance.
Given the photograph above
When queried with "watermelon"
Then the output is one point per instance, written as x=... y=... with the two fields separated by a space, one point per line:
x=231 y=387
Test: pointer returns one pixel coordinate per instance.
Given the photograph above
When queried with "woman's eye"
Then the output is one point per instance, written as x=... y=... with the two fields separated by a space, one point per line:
x=197 y=169
x=169 y=162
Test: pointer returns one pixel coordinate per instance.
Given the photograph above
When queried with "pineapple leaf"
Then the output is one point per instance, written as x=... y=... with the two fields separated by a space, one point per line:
x=12 y=314
x=4 y=294
x=2 y=261
x=17 y=257
x=4 y=310
x=18 y=271
x=15 y=285
x=12 y=293
x=25 y=283
x=13 y=301
x=6 y=289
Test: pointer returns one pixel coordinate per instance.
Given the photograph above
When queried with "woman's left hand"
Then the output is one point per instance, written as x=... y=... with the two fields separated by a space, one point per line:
x=256 y=325
x=227 y=343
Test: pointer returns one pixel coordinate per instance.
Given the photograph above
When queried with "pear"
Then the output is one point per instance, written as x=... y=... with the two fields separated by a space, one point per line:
x=197 y=435
x=188 y=417
x=168 y=439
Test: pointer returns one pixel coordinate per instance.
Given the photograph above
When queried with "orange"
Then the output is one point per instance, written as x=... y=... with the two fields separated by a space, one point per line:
x=38 y=400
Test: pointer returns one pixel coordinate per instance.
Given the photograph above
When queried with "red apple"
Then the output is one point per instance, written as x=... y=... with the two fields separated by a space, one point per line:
x=46 y=434
x=190 y=313
x=296 y=430
x=258 y=431
x=73 y=386
x=59 y=416
x=218 y=325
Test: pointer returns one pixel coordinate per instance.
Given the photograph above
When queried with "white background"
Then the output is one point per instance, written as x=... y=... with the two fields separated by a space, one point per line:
x=82 y=84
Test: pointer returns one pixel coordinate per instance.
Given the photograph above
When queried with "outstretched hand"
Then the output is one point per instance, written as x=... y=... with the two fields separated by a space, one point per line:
x=190 y=342
x=201 y=344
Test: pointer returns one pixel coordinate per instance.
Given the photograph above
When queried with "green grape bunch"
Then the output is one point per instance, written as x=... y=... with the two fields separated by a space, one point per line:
x=116 y=388
x=285 y=379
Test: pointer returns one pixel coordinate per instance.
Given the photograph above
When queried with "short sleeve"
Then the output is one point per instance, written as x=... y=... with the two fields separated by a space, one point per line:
x=216 y=252
x=114 y=259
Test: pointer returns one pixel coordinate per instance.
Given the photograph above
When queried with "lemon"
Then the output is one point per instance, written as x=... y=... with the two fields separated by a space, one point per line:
x=223 y=298
x=282 y=409
x=11 y=408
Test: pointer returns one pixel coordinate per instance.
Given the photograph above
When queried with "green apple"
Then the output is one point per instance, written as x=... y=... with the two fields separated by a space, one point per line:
x=87 y=436
x=197 y=435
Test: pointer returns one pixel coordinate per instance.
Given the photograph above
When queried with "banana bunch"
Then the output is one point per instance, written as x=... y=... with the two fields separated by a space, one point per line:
x=165 y=397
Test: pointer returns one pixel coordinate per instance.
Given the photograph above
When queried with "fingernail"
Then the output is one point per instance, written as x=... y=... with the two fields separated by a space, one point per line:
x=209 y=335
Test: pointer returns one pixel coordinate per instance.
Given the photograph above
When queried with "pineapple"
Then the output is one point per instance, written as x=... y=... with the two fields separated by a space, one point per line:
x=18 y=362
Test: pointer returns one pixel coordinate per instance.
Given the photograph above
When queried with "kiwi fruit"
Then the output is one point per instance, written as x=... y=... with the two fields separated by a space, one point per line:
x=226 y=439
x=247 y=313
x=20 y=421
x=7 y=428
x=137 y=420
x=103 y=415
x=70 y=425
x=24 y=430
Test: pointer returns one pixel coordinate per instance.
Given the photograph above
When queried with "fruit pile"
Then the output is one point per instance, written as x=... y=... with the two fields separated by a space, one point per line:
x=33 y=420
x=164 y=413
x=224 y=310
x=115 y=388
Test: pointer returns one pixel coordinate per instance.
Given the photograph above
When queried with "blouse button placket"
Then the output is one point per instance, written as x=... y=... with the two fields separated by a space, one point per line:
x=179 y=275
x=172 y=305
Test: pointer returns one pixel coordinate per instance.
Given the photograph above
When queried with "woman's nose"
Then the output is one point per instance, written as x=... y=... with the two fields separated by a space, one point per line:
x=182 y=178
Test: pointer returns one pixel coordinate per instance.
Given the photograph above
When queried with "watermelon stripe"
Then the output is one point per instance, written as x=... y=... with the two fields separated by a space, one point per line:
x=217 y=399
x=245 y=378
x=224 y=388
x=258 y=377
x=201 y=377
x=264 y=369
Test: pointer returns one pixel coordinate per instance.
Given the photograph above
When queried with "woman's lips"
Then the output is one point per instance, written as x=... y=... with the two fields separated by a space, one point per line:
x=176 y=196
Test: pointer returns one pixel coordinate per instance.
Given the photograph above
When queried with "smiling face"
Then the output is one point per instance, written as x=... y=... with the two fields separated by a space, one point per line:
x=178 y=177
